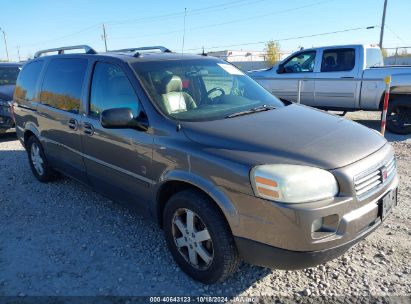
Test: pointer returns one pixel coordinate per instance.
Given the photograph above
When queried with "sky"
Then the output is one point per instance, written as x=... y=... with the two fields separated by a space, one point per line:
x=215 y=25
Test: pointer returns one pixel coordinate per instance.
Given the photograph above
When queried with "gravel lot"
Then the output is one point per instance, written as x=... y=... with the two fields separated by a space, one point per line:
x=64 y=239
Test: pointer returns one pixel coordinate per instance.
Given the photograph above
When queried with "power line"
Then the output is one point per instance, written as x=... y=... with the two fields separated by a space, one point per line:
x=197 y=11
x=289 y=38
x=395 y=34
x=87 y=29
x=207 y=9
x=231 y=21
x=154 y=18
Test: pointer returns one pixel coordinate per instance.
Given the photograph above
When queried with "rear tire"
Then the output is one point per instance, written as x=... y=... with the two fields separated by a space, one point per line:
x=399 y=116
x=204 y=250
x=38 y=162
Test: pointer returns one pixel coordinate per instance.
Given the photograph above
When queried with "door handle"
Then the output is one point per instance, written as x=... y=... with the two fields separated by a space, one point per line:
x=347 y=77
x=72 y=124
x=88 y=128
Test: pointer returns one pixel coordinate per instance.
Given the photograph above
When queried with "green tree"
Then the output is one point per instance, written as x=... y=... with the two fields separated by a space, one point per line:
x=272 y=49
x=384 y=53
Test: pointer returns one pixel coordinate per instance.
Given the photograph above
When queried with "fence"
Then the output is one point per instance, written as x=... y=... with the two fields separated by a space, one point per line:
x=398 y=56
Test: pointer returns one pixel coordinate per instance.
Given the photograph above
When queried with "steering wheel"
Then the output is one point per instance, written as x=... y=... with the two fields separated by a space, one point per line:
x=297 y=68
x=214 y=90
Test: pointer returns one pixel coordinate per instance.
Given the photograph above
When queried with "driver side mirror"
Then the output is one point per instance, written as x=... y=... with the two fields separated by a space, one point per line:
x=280 y=69
x=123 y=118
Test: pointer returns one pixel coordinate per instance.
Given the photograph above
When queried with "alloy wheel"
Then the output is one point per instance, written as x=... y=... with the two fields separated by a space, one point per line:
x=192 y=238
x=36 y=159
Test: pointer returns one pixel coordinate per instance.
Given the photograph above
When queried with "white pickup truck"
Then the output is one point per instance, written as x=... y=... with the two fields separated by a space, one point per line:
x=342 y=78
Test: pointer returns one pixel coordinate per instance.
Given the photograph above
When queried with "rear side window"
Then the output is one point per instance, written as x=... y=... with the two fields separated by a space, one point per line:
x=111 y=89
x=63 y=83
x=338 y=60
x=27 y=80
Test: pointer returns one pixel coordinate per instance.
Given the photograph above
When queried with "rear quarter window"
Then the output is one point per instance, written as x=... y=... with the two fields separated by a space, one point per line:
x=374 y=58
x=63 y=83
x=27 y=81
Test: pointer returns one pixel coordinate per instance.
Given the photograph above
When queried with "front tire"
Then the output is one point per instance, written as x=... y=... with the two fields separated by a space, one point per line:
x=38 y=162
x=199 y=237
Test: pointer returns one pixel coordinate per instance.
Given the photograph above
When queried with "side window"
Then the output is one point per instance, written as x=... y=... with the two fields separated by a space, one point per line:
x=63 y=84
x=300 y=63
x=27 y=80
x=338 y=60
x=110 y=88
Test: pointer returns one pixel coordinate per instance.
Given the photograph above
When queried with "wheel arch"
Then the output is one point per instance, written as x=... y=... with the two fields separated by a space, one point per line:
x=406 y=98
x=177 y=181
x=30 y=130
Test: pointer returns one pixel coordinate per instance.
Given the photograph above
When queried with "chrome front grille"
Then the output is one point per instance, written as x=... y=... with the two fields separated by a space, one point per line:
x=368 y=182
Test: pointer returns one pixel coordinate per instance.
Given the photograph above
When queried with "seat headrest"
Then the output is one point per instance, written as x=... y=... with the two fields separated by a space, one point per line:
x=171 y=83
x=329 y=61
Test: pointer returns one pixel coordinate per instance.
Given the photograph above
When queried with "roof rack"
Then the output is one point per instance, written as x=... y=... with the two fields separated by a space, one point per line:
x=145 y=48
x=87 y=49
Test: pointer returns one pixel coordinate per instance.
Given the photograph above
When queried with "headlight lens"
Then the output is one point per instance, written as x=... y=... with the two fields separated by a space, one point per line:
x=292 y=183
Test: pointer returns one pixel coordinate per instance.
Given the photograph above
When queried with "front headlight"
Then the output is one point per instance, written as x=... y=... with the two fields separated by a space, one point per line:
x=292 y=183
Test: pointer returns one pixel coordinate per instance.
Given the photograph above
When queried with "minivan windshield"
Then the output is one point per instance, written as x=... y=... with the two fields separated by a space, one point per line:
x=202 y=89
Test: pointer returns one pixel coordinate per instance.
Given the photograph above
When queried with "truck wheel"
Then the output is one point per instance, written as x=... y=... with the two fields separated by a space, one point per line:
x=199 y=238
x=38 y=162
x=399 y=116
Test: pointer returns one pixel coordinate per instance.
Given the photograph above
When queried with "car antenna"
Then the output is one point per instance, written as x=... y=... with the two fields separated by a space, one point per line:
x=184 y=31
x=203 y=53
x=182 y=54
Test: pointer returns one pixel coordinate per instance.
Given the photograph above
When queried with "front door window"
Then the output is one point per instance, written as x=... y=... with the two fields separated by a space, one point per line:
x=301 y=63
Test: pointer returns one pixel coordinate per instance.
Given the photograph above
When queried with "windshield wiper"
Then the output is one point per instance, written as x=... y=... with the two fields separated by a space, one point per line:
x=252 y=110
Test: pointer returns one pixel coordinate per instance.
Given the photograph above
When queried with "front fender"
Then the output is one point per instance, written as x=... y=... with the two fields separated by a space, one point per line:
x=217 y=193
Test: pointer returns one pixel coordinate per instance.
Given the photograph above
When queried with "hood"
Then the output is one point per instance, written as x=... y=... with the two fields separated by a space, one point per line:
x=6 y=92
x=293 y=134
x=262 y=72
x=252 y=72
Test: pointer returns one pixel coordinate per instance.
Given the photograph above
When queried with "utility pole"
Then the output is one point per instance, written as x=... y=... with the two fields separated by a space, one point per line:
x=104 y=37
x=5 y=43
x=383 y=23
x=18 y=52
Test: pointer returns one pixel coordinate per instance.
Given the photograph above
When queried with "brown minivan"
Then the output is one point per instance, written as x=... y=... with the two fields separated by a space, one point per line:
x=229 y=171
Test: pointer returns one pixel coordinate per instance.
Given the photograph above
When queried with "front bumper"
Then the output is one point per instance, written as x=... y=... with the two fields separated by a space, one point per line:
x=268 y=256
x=293 y=229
